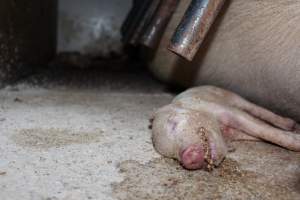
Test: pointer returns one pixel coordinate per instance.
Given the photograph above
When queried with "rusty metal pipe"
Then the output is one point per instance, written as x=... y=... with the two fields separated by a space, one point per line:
x=133 y=19
x=130 y=17
x=144 y=22
x=194 y=26
x=159 y=21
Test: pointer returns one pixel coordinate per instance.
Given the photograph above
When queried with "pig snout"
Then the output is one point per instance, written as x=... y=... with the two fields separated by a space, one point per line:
x=193 y=157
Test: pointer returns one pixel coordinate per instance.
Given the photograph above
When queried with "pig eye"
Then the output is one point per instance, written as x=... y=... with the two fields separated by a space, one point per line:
x=172 y=125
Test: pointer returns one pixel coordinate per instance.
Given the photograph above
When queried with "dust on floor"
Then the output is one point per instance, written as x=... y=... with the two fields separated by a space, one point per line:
x=94 y=143
x=276 y=176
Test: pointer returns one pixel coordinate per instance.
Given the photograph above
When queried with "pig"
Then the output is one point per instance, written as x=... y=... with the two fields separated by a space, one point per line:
x=252 y=49
x=199 y=124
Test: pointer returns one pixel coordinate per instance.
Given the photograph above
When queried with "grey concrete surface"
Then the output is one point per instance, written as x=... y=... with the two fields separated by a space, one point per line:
x=86 y=136
x=91 y=27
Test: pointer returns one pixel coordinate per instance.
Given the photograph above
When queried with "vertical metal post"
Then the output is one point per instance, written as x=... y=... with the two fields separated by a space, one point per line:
x=159 y=22
x=144 y=22
x=194 y=26
x=133 y=19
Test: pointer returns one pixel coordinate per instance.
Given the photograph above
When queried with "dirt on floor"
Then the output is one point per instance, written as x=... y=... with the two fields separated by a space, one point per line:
x=166 y=179
x=47 y=138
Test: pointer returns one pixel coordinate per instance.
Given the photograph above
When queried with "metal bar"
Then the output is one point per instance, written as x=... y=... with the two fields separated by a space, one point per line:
x=130 y=16
x=144 y=22
x=133 y=19
x=194 y=26
x=159 y=22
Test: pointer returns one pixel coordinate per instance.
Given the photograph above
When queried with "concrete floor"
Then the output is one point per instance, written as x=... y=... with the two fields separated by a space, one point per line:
x=82 y=135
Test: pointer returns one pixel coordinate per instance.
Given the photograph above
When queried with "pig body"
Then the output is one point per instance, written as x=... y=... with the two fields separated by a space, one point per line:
x=253 y=49
x=198 y=125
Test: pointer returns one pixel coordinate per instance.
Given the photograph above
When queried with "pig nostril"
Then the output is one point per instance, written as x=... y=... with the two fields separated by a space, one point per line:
x=193 y=157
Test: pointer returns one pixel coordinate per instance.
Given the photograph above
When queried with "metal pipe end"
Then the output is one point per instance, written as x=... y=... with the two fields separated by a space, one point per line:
x=187 y=53
x=194 y=26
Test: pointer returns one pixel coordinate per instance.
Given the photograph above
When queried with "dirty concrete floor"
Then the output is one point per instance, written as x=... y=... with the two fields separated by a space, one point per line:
x=85 y=136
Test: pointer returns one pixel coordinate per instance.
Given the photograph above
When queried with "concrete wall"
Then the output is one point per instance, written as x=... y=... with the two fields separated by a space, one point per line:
x=91 y=27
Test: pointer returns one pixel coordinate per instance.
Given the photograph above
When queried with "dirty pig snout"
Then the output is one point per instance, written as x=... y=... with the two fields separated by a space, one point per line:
x=193 y=157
